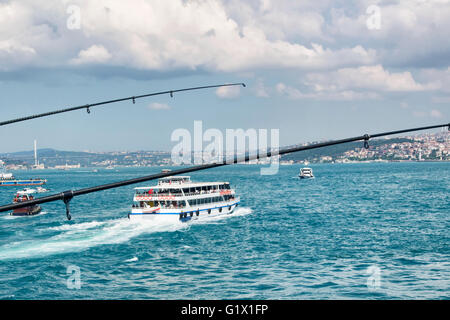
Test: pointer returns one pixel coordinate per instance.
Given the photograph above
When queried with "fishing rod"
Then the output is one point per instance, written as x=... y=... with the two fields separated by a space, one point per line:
x=133 y=98
x=67 y=196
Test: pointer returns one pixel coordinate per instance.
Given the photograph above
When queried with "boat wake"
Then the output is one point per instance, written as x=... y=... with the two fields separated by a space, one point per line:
x=238 y=212
x=134 y=259
x=77 y=237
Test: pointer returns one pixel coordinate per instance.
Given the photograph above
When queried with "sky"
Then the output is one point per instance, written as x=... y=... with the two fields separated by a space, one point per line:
x=314 y=70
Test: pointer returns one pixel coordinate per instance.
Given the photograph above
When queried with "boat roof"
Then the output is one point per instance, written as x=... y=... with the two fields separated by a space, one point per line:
x=175 y=177
x=184 y=185
x=26 y=191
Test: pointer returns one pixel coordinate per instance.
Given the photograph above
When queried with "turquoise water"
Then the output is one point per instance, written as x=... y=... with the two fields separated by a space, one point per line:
x=289 y=239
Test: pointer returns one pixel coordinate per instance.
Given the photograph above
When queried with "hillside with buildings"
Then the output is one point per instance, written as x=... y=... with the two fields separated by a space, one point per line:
x=426 y=147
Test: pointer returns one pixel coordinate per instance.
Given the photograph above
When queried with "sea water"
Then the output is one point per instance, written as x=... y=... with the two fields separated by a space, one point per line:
x=356 y=231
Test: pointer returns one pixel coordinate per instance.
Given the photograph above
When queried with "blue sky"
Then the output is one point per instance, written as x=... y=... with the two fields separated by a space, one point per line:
x=313 y=69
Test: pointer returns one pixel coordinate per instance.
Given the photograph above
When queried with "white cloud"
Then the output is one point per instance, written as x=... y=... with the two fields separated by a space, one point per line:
x=367 y=77
x=366 y=82
x=327 y=39
x=345 y=95
x=94 y=54
x=158 y=106
x=164 y=35
x=228 y=92
x=406 y=26
x=260 y=89
x=440 y=77
x=436 y=114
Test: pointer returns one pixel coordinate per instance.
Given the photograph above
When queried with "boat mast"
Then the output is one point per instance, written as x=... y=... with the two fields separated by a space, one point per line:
x=35 y=154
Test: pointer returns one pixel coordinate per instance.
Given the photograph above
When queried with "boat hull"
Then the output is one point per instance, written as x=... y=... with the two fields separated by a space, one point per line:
x=21 y=183
x=28 y=211
x=186 y=215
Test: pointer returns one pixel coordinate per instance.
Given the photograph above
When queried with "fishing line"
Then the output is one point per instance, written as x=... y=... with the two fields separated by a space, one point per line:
x=67 y=196
x=133 y=98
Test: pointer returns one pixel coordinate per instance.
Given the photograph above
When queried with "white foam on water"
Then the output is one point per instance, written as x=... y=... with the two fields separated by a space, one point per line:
x=239 y=212
x=78 y=237
x=10 y=217
x=81 y=236
x=132 y=259
x=79 y=226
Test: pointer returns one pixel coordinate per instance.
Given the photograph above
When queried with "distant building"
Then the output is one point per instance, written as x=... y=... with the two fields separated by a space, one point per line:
x=68 y=166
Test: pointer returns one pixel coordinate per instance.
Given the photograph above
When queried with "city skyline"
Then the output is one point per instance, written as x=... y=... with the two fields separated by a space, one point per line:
x=421 y=147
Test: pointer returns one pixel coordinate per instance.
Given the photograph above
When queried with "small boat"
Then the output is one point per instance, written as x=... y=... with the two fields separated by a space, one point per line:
x=6 y=176
x=41 y=190
x=177 y=198
x=21 y=183
x=22 y=196
x=306 y=173
x=166 y=170
x=109 y=168
x=8 y=180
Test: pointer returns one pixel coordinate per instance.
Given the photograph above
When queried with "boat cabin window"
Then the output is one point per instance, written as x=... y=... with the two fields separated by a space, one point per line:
x=174 y=180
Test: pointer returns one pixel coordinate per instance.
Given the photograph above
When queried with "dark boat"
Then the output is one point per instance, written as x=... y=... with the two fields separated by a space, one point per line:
x=23 y=196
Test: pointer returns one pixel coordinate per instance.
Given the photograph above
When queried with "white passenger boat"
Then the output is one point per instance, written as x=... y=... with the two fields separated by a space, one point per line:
x=176 y=198
x=306 y=173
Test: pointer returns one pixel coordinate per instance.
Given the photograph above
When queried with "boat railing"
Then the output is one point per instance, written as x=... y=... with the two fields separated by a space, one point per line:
x=170 y=194
x=181 y=206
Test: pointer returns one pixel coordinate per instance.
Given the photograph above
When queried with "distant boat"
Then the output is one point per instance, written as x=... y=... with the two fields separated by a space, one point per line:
x=166 y=170
x=41 y=190
x=37 y=190
x=21 y=183
x=109 y=168
x=6 y=176
x=8 y=180
x=306 y=173
x=23 y=196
